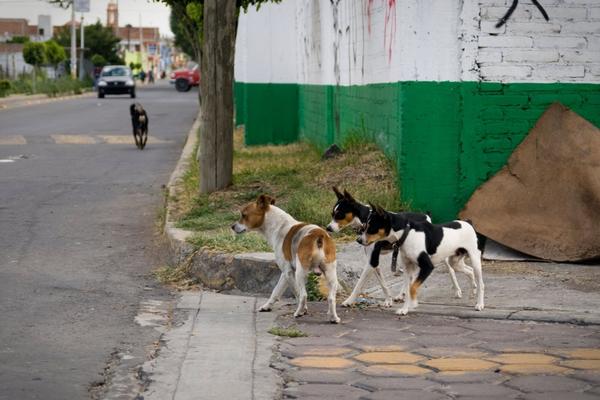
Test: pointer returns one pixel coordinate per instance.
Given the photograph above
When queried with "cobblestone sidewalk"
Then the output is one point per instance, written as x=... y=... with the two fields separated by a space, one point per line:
x=375 y=355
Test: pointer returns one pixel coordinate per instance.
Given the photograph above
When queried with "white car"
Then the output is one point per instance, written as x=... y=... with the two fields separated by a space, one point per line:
x=116 y=79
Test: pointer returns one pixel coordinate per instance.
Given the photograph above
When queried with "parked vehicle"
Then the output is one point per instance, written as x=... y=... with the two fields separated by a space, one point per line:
x=116 y=79
x=185 y=78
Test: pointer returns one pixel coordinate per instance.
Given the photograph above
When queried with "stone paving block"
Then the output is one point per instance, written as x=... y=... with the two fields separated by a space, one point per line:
x=323 y=351
x=523 y=358
x=560 y=396
x=501 y=347
x=534 y=369
x=508 y=337
x=312 y=375
x=587 y=375
x=324 y=391
x=448 y=330
x=480 y=389
x=545 y=384
x=455 y=352
x=582 y=364
x=389 y=357
x=464 y=377
x=322 y=362
x=405 y=394
x=318 y=341
x=394 y=370
x=383 y=347
x=380 y=336
x=461 y=364
x=442 y=341
x=567 y=341
x=581 y=354
x=397 y=383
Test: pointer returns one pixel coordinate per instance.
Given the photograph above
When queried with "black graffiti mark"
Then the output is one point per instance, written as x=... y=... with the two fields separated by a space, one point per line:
x=512 y=8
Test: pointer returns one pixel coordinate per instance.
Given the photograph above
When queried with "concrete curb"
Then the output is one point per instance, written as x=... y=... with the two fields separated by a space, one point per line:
x=557 y=316
x=23 y=101
x=253 y=273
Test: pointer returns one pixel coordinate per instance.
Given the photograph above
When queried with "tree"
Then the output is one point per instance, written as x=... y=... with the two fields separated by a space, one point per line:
x=186 y=24
x=18 y=39
x=219 y=25
x=34 y=53
x=98 y=60
x=55 y=53
x=99 y=40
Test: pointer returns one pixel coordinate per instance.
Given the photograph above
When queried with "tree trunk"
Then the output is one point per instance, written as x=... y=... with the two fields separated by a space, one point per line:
x=215 y=154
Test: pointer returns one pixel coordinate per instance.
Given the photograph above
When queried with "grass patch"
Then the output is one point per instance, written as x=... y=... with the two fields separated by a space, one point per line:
x=297 y=177
x=287 y=332
x=225 y=240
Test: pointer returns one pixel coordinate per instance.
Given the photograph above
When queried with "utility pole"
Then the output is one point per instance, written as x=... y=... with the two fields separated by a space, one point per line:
x=73 y=44
x=81 y=55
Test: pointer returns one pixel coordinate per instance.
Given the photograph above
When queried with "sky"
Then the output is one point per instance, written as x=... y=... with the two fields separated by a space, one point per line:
x=152 y=13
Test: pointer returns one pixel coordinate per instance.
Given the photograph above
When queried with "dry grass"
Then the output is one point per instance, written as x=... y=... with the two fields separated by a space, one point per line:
x=297 y=177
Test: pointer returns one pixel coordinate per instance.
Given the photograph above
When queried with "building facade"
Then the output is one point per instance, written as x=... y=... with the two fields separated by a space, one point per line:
x=436 y=85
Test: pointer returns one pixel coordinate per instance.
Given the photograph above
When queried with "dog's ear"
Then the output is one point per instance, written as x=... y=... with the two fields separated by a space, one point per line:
x=380 y=211
x=132 y=109
x=264 y=201
x=348 y=196
x=375 y=208
x=337 y=193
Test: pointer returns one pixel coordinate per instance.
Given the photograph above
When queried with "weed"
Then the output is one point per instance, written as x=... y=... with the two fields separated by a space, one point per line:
x=313 y=288
x=286 y=332
x=179 y=276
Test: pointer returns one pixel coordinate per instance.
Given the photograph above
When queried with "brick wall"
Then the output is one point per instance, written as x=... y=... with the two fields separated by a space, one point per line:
x=527 y=48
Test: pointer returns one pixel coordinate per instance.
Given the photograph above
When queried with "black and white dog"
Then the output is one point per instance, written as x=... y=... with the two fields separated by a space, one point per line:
x=347 y=212
x=139 y=121
x=423 y=245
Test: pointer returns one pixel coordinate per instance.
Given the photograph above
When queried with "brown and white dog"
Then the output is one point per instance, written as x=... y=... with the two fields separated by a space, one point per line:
x=299 y=249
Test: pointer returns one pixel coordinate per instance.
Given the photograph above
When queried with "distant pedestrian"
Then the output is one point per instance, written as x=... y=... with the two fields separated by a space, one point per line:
x=150 y=76
x=142 y=76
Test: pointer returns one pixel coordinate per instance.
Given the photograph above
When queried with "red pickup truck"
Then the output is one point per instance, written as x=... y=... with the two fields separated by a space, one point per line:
x=185 y=78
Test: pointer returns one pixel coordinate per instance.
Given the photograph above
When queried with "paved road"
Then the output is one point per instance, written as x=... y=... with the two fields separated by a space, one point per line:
x=78 y=203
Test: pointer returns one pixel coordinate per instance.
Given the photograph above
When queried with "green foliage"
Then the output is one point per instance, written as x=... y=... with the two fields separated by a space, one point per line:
x=5 y=87
x=312 y=288
x=55 y=53
x=52 y=88
x=18 y=39
x=62 y=86
x=286 y=332
x=98 y=60
x=34 y=53
x=245 y=3
x=99 y=40
x=227 y=241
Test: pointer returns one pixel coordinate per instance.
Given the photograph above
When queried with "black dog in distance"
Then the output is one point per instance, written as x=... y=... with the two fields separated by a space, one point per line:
x=139 y=120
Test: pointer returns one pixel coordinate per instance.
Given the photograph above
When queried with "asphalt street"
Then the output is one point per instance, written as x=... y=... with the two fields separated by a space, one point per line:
x=78 y=205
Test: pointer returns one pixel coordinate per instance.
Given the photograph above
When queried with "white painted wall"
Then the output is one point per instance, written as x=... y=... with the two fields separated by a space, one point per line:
x=357 y=42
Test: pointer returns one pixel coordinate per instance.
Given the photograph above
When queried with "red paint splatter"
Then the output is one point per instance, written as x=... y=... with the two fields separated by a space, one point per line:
x=369 y=5
x=390 y=19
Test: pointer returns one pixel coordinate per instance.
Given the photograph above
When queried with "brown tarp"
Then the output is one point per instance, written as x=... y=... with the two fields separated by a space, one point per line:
x=546 y=201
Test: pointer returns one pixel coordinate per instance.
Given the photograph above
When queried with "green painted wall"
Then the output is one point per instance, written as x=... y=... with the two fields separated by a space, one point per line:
x=446 y=138
x=270 y=112
x=239 y=95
